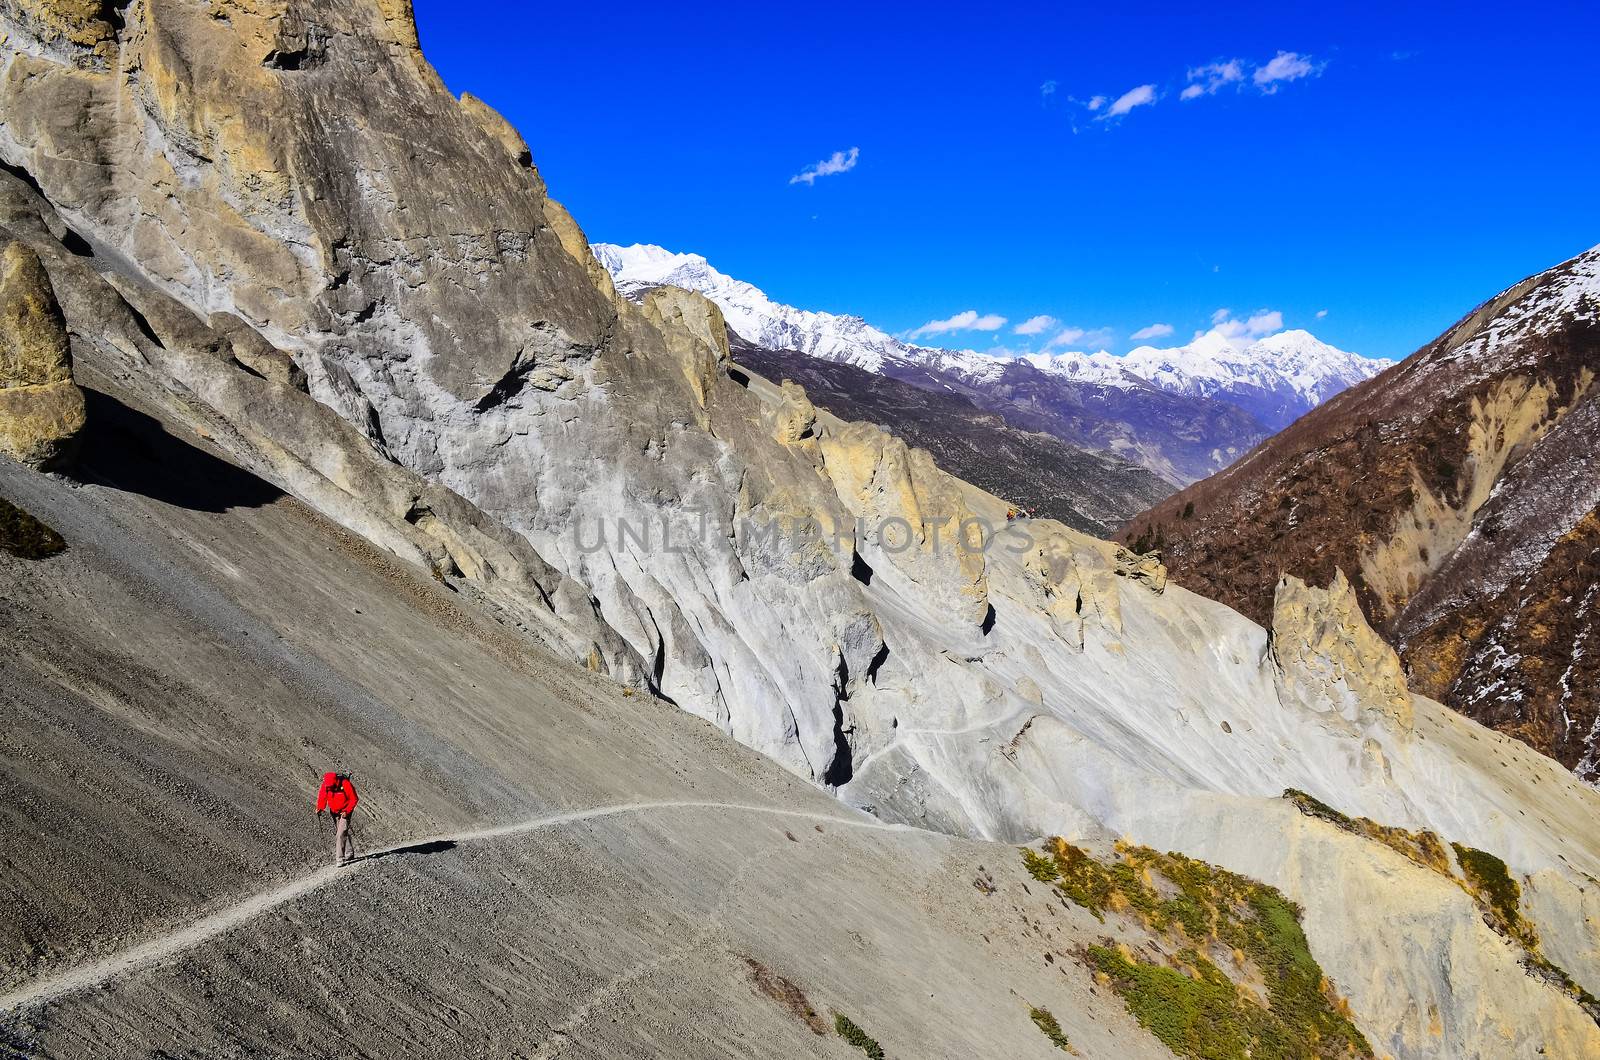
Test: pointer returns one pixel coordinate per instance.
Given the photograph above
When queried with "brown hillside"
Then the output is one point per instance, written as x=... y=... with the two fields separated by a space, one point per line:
x=1458 y=491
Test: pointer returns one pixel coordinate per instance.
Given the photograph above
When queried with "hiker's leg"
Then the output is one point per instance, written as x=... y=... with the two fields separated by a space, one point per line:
x=349 y=836
x=340 y=840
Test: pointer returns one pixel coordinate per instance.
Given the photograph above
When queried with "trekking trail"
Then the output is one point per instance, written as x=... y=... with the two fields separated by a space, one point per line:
x=229 y=917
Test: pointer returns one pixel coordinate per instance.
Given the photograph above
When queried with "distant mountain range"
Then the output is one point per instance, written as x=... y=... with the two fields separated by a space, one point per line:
x=1089 y=491
x=1184 y=412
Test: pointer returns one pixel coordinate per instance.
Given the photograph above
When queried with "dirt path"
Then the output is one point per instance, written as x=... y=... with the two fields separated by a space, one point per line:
x=226 y=919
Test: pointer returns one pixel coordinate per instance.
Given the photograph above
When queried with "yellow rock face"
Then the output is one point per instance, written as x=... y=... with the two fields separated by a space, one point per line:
x=81 y=23
x=695 y=334
x=41 y=408
x=493 y=123
x=913 y=512
x=33 y=334
x=1327 y=652
x=1078 y=581
x=796 y=419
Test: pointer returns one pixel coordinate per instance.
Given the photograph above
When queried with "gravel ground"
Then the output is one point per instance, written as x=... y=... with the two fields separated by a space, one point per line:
x=176 y=681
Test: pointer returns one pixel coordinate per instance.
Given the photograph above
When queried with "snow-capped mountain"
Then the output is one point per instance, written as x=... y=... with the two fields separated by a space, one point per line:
x=1276 y=378
x=761 y=321
x=1239 y=390
x=749 y=312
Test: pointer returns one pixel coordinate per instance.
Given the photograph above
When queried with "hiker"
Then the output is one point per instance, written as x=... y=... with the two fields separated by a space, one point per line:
x=338 y=797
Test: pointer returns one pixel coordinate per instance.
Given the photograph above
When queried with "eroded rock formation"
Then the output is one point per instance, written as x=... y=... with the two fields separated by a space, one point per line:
x=1330 y=658
x=41 y=408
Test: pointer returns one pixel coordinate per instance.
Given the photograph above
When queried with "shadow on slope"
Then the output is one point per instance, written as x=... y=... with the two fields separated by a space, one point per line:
x=431 y=846
x=132 y=452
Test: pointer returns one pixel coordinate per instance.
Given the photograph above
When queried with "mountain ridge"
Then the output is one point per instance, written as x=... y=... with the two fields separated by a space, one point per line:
x=1089 y=491
x=1457 y=492
x=1179 y=437
x=397 y=327
x=1276 y=377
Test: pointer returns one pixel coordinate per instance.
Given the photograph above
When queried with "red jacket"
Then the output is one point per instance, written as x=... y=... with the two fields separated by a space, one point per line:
x=336 y=796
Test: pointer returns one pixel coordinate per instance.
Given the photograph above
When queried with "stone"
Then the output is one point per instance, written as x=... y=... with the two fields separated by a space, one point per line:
x=1144 y=568
x=796 y=417
x=41 y=408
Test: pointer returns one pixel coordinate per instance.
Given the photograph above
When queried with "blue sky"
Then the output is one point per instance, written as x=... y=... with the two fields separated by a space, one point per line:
x=1389 y=167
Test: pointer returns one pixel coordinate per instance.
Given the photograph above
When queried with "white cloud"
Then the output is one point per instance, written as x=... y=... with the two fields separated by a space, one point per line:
x=838 y=162
x=1213 y=77
x=1262 y=322
x=1154 y=331
x=1139 y=96
x=1035 y=325
x=1285 y=66
x=1079 y=337
x=1208 y=79
x=970 y=320
x=1321 y=313
x=1265 y=322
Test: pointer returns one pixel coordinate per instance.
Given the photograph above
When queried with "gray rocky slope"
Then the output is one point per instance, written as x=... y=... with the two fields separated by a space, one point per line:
x=609 y=867
x=272 y=225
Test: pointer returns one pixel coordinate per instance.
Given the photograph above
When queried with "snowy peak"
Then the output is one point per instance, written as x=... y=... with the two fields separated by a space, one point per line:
x=748 y=310
x=1494 y=334
x=1276 y=378
x=1101 y=369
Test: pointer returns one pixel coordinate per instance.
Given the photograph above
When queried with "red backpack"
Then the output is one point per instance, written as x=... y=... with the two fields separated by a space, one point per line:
x=337 y=794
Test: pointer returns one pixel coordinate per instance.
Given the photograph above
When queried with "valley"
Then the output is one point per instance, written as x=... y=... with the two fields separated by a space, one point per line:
x=315 y=396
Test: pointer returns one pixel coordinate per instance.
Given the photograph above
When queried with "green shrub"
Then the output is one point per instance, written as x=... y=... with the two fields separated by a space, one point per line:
x=1490 y=881
x=1423 y=847
x=1051 y=1029
x=23 y=535
x=856 y=1036
x=1194 y=1016
x=1039 y=867
x=1312 y=806
x=1189 y=1003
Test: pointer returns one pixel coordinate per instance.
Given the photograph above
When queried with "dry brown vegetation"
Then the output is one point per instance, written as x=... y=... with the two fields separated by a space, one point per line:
x=786 y=994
